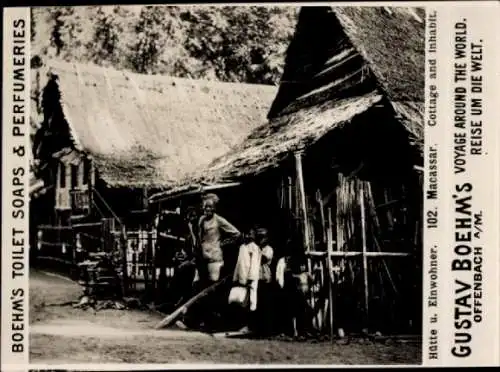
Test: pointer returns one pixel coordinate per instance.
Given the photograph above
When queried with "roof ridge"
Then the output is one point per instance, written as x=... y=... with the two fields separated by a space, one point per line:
x=88 y=66
x=156 y=139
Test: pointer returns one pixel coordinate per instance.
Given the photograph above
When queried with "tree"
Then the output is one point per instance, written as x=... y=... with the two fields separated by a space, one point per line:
x=154 y=28
x=67 y=33
x=56 y=38
x=111 y=24
x=230 y=43
x=240 y=43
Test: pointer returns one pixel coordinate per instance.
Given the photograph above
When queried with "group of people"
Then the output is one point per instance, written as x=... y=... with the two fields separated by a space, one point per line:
x=264 y=287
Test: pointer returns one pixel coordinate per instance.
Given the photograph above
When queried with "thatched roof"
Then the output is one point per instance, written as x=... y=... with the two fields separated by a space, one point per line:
x=150 y=130
x=341 y=62
x=392 y=41
x=271 y=143
x=369 y=46
x=374 y=46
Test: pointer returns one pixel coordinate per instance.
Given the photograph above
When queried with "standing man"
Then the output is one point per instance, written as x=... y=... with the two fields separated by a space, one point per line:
x=214 y=232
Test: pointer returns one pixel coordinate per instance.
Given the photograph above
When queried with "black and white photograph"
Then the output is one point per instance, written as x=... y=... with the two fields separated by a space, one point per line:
x=226 y=184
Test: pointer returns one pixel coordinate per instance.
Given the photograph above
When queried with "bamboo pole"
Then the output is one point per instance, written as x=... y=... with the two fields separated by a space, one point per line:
x=303 y=207
x=329 y=247
x=339 y=226
x=302 y=192
x=185 y=307
x=289 y=191
x=147 y=261
x=319 y=199
x=145 y=198
x=363 y=240
x=325 y=310
x=319 y=297
x=386 y=267
x=322 y=315
x=357 y=254
x=123 y=248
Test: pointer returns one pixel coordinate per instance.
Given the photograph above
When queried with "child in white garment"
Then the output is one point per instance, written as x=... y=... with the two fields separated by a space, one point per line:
x=243 y=294
x=263 y=322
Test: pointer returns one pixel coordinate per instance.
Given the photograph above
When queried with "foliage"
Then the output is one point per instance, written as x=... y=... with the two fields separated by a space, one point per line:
x=239 y=43
x=151 y=39
x=105 y=45
x=228 y=43
x=67 y=32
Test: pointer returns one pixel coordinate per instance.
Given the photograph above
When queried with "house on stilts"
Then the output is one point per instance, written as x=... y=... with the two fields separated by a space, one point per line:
x=335 y=171
x=110 y=139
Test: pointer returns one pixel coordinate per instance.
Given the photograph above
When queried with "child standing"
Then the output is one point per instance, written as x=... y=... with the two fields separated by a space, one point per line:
x=264 y=314
x=243 y=294
x=293 y=278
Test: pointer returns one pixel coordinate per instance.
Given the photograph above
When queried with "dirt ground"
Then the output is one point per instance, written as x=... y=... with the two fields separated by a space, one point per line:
x=61 y=334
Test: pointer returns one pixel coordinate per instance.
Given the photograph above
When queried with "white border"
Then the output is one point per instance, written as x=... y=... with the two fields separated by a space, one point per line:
x=9 y=162
x=494 y=201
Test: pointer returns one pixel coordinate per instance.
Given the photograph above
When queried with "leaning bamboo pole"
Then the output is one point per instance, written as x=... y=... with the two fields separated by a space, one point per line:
x=376 y=231
x=185 y=307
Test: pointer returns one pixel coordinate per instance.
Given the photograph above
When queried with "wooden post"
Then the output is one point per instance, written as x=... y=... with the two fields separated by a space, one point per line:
x=302 y=192
x=319 y=199
x=329 y=249
x=90 y=185
x=321 y=314
x=153 y=258
x=145 y=198
x=123 y=247
x=105 y=227
x=141 y=263
x=322 y=319
x=111 y=228
x=289 y=191
x=303 y=207
x=363 y=241
x=339 y=226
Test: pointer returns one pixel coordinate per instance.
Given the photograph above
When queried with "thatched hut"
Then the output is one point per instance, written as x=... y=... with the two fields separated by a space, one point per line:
x=109 y=139
x=140 y=133
x=337 y=162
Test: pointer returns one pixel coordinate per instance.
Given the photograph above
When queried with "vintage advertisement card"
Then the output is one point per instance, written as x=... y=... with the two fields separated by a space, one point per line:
x=250 y=185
